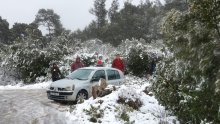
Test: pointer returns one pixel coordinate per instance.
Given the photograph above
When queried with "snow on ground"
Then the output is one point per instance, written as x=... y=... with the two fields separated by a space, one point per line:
x=42 y=85
x=106 y=109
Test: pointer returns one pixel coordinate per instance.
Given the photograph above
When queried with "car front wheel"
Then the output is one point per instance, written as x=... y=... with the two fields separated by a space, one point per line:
x=81 y=96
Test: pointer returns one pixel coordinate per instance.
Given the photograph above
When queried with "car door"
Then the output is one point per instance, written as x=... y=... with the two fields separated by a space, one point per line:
x=113 y=77
x=97 y=75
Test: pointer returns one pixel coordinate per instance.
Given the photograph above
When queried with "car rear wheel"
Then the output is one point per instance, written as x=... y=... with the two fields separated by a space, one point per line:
x=82 y=95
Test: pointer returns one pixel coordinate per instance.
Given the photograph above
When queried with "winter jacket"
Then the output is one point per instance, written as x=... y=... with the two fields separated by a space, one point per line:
x=99 y=63
x=119 y=64
x=152 y=67
x=77 y=64
x=56 y=74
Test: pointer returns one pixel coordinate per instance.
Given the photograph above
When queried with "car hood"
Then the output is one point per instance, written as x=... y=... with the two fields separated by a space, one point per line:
x=67 y=83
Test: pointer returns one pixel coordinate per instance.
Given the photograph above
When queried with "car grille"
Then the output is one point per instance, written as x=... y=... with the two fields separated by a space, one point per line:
x=58 y=89
x=59 y=96
x=56 y=97
x=62 y=89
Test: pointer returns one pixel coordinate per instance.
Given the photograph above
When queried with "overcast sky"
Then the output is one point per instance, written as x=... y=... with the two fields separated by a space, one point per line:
x=74 y=13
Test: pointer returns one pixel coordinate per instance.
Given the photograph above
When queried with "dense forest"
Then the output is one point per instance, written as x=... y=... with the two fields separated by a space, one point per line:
x=188 y=74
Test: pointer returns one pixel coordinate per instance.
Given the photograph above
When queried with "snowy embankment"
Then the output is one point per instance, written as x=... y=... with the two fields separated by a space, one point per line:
x=42 y=85
x=107 y=110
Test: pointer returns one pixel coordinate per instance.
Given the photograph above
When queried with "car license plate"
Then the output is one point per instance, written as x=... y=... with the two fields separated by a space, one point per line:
x=55 y=94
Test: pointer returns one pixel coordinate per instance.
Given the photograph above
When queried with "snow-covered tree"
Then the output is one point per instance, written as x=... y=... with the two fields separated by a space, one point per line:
x=188 y=79
x=27 y=59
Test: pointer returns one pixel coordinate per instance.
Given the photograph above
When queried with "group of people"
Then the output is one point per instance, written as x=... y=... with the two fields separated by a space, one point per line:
x=116 y=63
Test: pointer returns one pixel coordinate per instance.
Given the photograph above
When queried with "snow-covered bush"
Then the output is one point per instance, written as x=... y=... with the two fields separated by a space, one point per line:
x=187 y=81
x=124 y=116
x=130 y=97
x=97 y=46
x=88 y=60
x=29 y=59
x=30 y=62
x=138 y=62
x=95 y=113
x=138 y=55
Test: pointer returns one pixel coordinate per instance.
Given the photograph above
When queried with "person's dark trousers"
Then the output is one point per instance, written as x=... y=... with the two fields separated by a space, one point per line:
x=55 y=79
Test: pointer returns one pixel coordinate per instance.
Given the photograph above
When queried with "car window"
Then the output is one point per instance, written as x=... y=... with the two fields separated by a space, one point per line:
x=113 y=74
x=99 y=74
x=80 y=74
x=117 y=74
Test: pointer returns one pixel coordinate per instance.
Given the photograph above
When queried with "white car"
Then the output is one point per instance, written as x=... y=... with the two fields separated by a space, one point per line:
x=79 y=83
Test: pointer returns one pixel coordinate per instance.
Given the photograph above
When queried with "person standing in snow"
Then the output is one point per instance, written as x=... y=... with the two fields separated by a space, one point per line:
x=55 y=71
x=99 y=62
x=77 y=64
x=152 y=67
x=106 y=62
x=118 y=63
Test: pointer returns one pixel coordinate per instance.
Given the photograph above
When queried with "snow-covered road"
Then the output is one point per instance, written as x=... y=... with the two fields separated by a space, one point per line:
x=30 y=107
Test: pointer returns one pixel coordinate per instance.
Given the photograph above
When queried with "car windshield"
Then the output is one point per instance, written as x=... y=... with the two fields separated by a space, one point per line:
x=80 y=74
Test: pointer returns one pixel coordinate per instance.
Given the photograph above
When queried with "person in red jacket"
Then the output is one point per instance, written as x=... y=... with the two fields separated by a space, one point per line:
x=77 y=64
x=99 y=62
x=118 y=63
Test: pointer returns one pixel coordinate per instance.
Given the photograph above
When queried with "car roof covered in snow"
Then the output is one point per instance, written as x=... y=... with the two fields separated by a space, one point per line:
x=98 y=68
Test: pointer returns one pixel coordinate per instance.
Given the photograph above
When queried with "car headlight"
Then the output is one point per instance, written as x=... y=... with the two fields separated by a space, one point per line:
x=68 y=88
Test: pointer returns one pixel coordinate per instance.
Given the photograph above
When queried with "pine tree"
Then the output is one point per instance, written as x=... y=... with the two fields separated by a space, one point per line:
x=50 y=20
x=4 y=31
x=112 y=13
x=100 y=12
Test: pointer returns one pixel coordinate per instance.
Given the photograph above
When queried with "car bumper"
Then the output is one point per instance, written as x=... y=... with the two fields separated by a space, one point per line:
x=61 y=95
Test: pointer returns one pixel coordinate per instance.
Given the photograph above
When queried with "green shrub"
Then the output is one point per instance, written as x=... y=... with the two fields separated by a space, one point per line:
x=88 y=60
x=93 y=119
x=124 y=116
x=138 y=62
x=188 y=79
x=95 y=113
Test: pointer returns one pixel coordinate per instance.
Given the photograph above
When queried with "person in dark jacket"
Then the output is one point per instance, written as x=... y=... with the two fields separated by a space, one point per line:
x=153 y=67
x=77 y=64
x=55 y=71
x=118 y=63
